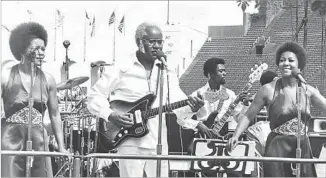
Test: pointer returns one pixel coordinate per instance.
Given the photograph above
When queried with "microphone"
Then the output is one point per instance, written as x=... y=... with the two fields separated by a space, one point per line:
x=66 y=43
x=161 y=57
x=297 y=74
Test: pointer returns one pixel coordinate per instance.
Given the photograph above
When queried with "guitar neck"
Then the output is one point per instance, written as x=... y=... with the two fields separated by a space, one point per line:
x=168 y=107
x=231 y=108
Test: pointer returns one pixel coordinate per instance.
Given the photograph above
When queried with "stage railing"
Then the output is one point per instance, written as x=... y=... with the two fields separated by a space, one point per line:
x=166 y=157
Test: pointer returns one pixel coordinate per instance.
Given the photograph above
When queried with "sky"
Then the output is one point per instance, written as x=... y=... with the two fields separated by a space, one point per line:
x=193 y=16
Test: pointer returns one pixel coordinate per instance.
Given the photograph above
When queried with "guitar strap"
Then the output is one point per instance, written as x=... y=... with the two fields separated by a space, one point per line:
x=220 y=104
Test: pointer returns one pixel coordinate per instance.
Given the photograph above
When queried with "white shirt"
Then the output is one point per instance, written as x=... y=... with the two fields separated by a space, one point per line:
x=128 y=82
x=210 y=107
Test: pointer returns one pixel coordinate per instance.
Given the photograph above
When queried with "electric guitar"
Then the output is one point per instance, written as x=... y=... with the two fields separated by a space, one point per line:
x=217 y=125
x=110 y=136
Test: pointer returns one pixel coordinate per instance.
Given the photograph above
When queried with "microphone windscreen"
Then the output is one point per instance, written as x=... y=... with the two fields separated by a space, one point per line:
x=160 y=54
x=295 y=72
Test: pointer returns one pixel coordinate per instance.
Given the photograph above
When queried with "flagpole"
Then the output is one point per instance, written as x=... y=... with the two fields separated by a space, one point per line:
x=124 y=25
x=62 y=26
x=85 y=40
x=55 y=35
x=114 y=41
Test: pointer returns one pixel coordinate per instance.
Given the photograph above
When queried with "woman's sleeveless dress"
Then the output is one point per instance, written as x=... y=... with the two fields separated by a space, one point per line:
x=282 y=141
x=14 y=126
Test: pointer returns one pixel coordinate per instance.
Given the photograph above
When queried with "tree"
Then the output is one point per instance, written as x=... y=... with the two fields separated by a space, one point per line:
x=245 y=3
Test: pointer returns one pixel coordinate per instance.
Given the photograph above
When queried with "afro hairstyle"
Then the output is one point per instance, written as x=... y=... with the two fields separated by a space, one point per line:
x=23 y=34
x=210 y=65
x=296 y=49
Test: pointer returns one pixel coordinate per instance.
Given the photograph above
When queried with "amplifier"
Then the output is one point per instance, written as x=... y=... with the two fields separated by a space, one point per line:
x=316 y=141
x=179 y=139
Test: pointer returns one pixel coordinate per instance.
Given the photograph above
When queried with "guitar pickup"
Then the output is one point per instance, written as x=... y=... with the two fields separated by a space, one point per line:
x=138 y=117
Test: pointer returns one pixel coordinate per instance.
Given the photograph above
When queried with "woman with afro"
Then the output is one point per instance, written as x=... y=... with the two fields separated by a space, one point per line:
x=28 y=42
x=280 y=98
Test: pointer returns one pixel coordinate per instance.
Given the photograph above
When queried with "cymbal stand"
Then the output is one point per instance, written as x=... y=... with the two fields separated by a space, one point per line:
x=89 y=145
x=82 y=135
x=95 y=145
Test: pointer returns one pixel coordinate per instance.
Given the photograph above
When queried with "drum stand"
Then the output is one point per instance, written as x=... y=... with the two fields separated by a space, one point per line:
x=93 y=172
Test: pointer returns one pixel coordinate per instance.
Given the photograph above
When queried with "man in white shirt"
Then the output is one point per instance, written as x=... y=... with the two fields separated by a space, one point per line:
x=131 y=81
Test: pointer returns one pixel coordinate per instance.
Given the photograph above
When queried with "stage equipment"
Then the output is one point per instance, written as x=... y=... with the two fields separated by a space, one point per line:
x=69 y=84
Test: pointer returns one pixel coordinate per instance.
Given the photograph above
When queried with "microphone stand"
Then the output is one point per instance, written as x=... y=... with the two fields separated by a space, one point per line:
x=161 y=67
x=29 y=142
x=299 y=108
x=66 y=63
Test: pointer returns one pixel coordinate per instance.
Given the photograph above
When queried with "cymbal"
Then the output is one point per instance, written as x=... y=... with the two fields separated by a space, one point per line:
x=71 y=83
x=99 y=63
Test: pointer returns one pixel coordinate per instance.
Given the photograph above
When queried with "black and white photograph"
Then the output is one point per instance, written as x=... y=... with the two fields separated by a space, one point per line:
x=166 y=88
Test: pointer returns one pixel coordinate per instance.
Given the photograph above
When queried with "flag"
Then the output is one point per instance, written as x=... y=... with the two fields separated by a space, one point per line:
x=5 y=28
x=89 y=25
x=30 y=13
x=87 y=17
x=59 y=18
x=93 y=27
x=112 y=18
x=121 y=25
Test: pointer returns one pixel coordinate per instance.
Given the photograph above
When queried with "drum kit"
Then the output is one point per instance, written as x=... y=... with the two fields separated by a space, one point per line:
x=78 y=125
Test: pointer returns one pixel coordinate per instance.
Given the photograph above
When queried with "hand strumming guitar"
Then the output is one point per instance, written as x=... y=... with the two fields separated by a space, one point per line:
x=203 y=129
x=121 y=119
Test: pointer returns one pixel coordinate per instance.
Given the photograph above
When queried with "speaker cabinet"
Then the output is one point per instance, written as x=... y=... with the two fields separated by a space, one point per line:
x=179 y=139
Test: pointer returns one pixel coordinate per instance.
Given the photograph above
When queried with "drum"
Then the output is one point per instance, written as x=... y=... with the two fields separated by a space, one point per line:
x=107 y=167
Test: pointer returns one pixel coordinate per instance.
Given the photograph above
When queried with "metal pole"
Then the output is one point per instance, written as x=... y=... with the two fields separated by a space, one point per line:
x=305 y=24
x=299 y=108
x=296 y=20
x=114 y=41
x=55 y=36
x=206 y=158
x=160 y=113
x=29 y=142
x=85 y=21
x=168 y=14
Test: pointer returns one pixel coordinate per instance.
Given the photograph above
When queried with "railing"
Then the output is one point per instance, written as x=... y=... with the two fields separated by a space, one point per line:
x=166 y=157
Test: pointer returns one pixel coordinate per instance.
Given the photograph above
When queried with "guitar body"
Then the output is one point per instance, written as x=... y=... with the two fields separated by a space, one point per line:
x=110 y=135
x=209 y=123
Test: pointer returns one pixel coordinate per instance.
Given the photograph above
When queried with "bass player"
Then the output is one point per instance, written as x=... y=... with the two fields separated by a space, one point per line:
x=217 y=98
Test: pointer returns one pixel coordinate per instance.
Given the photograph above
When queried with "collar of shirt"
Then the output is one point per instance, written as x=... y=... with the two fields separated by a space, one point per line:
x=134 y=61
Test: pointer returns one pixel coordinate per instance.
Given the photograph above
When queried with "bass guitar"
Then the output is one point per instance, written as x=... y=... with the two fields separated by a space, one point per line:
x=217 y=125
